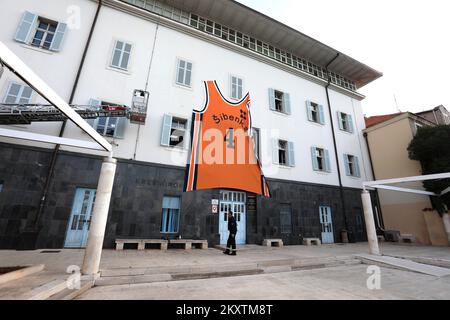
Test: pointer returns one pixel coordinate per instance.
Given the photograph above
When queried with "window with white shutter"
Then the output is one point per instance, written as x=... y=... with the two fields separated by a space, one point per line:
x=345 y=122
x=352 y=165
x=174 y=132
x=40 y=32
x=279 y=101
x=320 y=159
x=184 y=73
x=237 y=88
x=121 y=55
x=18 y=94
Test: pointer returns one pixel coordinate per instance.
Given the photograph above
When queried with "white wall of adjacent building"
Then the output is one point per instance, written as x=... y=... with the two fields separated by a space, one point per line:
x=210 y=62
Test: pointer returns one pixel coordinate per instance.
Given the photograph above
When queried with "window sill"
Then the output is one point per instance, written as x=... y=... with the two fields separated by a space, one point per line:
x=182 y=86
x=347 y=132
x=280 y=113
x=324 y=173
x=123 y=71
x=177 y=149
x=353 y=177
x=282 y=166
x=316 y=123
x=30 y=47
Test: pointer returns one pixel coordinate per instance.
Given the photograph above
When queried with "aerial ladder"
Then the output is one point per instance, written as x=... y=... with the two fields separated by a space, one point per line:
x=13 y=114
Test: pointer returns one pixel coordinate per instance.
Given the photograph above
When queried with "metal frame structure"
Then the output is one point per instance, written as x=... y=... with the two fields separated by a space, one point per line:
x=21 y=70
x=385 y=184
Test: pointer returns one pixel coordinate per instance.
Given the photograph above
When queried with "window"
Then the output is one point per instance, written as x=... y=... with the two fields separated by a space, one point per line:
x=1 y=185
x=279 y=101
x=315 y=112
x=121 y=55
x=108 y=126
x=174 y=132
x=40 y=32
x=170 y=218
x=345 y=122
x=18 y=94
x=177 y=132
x=283 y=153
x=320 y=159
x=236 y=88
x=256 y=142
x=184 y=73
x=286 y=219
x=351 y=165
x=44 y=34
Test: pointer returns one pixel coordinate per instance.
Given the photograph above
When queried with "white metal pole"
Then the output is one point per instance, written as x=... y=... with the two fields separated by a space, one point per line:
x=99 y=218
x=370 y=223
x=446 y=220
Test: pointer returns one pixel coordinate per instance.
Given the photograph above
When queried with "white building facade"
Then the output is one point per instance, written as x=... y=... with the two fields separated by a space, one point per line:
x=307 y=121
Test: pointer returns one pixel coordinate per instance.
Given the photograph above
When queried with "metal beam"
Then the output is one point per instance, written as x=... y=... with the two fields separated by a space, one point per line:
x=407 y=179
x=24 y=135
x=10 y=60
x=428 y=193
x=445 y=191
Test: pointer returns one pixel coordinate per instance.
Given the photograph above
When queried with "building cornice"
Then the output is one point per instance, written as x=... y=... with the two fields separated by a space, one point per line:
x=168 y=23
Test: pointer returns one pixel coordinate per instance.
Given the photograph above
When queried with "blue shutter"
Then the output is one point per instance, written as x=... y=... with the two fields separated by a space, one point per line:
x=340 y=121
x=321 y=115
x=291 y=154
x=272 y=99
x=287 y=103
x=166 y=128
x=350 y=123
x=26 y=24
x=119 y=132
x=327 y=160
x=347 y=166
x=94 y=103
x=308 y=110
x=314 y=159
x=275 y=155
x=357 y=171
x=59 y=37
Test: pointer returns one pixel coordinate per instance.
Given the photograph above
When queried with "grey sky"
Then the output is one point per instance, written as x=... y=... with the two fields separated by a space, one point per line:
x=407 y=40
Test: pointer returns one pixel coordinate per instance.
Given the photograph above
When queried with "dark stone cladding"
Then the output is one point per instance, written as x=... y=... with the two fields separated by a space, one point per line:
x=136 y=203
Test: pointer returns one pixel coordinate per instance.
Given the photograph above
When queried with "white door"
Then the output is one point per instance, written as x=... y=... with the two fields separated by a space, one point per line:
x=80 y=219
x=236 y=202
x=327 y=225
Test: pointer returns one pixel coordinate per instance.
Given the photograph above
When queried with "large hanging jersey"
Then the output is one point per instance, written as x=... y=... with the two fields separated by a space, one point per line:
x=222 y=153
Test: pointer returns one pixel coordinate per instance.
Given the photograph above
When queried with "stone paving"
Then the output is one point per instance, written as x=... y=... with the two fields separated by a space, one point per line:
x=59 y=261
x=401 y=284
x=337 y=283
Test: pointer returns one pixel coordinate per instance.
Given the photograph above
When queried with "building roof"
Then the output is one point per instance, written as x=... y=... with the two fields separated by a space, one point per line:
x=372 y=121
x=431 y=110
x=249 y=21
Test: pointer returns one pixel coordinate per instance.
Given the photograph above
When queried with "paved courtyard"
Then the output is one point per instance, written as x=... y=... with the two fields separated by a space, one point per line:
x=326 y=282
x=338 y=283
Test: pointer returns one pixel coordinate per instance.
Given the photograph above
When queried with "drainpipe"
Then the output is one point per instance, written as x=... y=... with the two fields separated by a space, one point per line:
x=379 y=212
x=35 y=224
x=341 y=188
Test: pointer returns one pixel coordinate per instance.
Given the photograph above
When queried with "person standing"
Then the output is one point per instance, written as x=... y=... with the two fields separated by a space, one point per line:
x=232 y=228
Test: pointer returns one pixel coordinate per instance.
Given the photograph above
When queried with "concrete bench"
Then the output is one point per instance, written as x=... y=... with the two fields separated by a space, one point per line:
x=407 y=238
x=272 y=242
x=141 y=243
x=311 y=241
x=189 y=242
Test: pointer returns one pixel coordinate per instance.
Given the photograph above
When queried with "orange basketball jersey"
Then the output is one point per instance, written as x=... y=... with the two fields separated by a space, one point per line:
x=222 y=153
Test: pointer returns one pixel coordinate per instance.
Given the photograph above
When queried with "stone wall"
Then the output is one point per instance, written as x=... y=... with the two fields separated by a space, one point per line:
x=136 y=202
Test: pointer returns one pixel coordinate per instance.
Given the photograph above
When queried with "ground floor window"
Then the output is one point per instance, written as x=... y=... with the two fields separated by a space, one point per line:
x=286 y=219
x=170 y=219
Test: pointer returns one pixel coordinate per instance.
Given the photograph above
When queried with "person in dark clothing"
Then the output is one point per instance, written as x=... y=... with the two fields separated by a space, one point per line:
x=232 y=228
